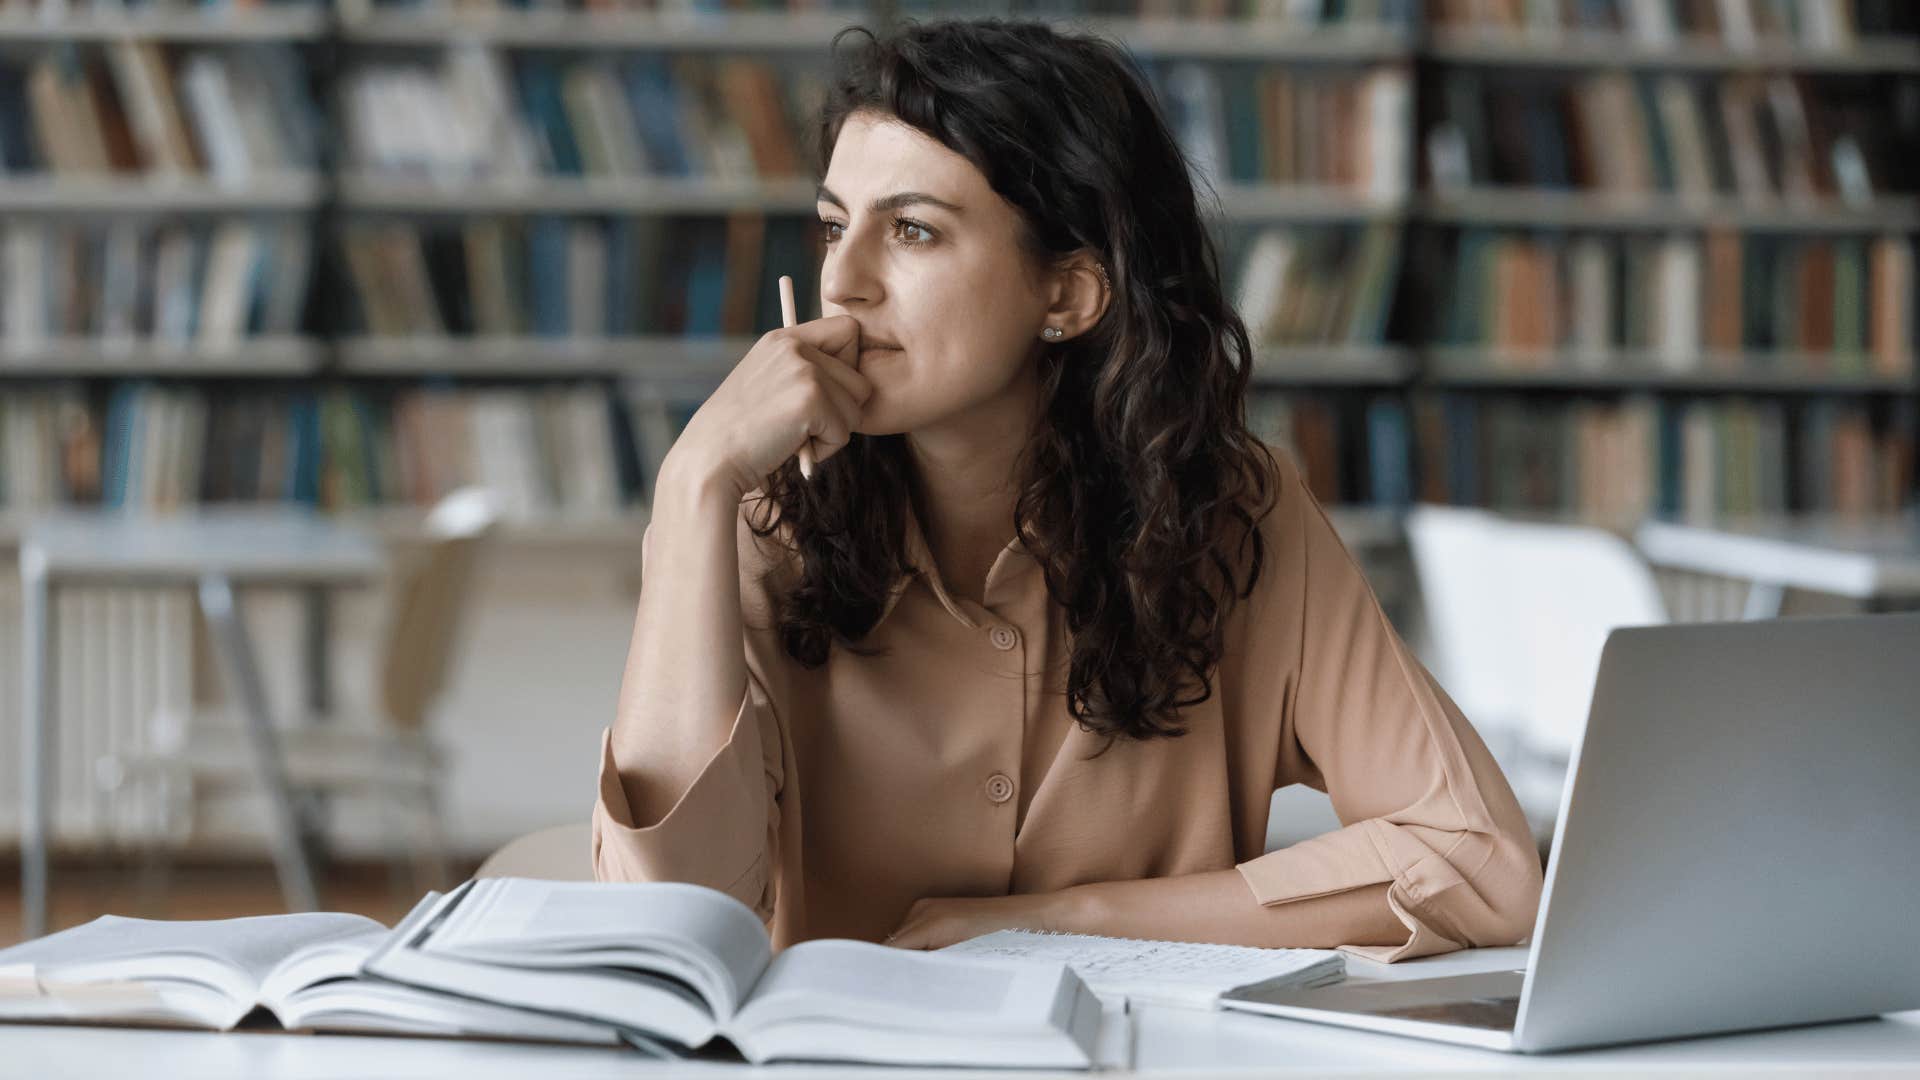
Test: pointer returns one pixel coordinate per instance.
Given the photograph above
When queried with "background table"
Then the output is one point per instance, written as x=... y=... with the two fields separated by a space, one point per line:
x=214 y=554
x=1190 y=1042
x=1875 y=560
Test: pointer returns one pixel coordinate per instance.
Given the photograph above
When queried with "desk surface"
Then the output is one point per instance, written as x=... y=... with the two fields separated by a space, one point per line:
x=1871 y=558
x=280 y=545
x=1165 y=1040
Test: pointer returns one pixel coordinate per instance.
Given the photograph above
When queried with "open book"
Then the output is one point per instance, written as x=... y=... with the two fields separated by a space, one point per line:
x=301 y=969
x=1162 y=972
x=685 y=964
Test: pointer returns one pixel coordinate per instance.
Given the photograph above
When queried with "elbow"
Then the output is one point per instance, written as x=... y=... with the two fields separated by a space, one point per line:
x=1510 y=886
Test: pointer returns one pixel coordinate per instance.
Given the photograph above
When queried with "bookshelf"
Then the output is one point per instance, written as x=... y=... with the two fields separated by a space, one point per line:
x=1351 y=159
x=86 y=197
x=1573 y=47
x=253 y=357
x=1653 y=211
x=1668 y=257
x=22 y=24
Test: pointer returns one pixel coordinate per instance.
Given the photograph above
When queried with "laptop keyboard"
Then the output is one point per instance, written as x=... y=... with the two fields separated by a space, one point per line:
x=1493 y=1013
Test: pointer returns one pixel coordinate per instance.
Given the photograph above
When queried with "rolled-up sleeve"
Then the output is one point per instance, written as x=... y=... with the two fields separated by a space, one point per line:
x=721 y=833
x=1423 y=805
x=723 y=830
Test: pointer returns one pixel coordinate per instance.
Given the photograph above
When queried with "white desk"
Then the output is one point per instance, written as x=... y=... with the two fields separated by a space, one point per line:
x=1166 y=1041
x=213 y=553
x=1875 y=560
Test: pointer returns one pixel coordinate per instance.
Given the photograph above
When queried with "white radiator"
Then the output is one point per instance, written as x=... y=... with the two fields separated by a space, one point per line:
x=121 y=655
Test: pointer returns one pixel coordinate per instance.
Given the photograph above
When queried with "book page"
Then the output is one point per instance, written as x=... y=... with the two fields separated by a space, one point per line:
x=527 y=922
x=249 y=946
x=1162 y=972
x=840 y=1000
x=846 y=970
x=884 y=987
x=311 y=965
x=230 y=956
x=336 y=958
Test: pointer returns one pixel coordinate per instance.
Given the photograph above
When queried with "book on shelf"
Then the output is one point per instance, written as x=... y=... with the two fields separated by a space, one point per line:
x=1615 y=460
x=1351 y=448
x=1755 y=139
x=1736 y=24
x=49 y=449
x=584 y=278
x=1319 y=285
x=1286 y=15
x=1248 y=124
x=298 y=972
x=474 y=113
x=685 y=965
x=1717 y=300
x=201 y=285
x=483 y=9
x=136 y=108
x=558 y=448
x=1178 y=973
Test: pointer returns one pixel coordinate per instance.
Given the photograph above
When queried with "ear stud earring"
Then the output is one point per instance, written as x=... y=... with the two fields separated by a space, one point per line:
x=1054 y=333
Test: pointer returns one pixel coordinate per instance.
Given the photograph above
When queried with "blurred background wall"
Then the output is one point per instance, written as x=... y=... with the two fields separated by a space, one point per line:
x=1587 y=264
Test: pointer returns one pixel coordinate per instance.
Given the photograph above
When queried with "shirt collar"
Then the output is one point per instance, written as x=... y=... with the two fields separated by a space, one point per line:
x=920 y=564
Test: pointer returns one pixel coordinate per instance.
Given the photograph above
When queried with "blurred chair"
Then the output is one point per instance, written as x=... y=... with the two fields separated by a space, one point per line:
x=389 y=756
x=1517 y=613
x=561 y=853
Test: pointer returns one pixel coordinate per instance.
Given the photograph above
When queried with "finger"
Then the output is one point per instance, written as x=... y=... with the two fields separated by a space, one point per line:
x=836 y=334
x=909 y=938
x=847 y=375
x=847 y=416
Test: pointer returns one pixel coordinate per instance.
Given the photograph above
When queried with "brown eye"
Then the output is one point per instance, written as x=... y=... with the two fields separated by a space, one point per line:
x=909 y=223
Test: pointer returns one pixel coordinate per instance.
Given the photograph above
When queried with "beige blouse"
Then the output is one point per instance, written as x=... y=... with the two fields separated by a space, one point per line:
x=948 y=765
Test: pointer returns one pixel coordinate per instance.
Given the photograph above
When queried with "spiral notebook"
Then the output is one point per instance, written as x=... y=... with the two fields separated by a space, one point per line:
x=1176 y=973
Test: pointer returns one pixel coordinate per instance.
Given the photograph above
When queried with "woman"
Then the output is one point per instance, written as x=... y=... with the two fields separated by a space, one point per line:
x=1044 y=631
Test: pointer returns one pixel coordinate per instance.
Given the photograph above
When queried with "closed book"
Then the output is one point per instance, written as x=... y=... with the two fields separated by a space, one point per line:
x=1388 y=453
x=546 y=112
x=746 y=234
x=548 y=285
x=752 y=93
x=1892 y=305
x=651 y=90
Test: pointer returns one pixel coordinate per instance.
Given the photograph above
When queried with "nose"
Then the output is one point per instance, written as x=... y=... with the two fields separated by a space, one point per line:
x=849 y=273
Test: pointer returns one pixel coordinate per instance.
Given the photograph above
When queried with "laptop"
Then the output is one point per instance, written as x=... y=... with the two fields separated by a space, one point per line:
x=1735 y=850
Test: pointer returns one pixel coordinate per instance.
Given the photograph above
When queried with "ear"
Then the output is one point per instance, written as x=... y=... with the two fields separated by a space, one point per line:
x=1079 y=295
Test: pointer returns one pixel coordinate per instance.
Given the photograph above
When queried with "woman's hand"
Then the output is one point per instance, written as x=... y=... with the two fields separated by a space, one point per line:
x=796 y=383
x=937 y=923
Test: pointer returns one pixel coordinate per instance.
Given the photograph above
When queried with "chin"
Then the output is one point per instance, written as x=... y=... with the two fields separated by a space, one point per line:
x=880 y=425
x=890 y=411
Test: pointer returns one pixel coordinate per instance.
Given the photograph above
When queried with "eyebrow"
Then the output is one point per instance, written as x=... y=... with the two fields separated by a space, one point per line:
x=892 y=202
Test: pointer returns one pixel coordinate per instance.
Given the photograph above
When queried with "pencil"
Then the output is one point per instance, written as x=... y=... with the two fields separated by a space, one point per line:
x=788 y=317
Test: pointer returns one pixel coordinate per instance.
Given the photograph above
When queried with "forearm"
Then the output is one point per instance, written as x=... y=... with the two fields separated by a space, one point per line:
x=1218 y=907
x=686 y=670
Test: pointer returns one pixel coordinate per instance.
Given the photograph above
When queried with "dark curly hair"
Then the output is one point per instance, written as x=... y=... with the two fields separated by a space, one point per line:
x=1141 y=489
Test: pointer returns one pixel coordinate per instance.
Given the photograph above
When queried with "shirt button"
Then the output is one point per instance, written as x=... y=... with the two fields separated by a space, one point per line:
x=999 y=788
x=1003 y=637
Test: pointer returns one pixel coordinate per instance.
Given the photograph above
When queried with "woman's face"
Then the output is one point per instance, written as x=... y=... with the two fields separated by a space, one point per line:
x=948 y=284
